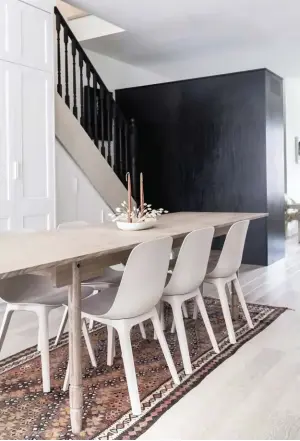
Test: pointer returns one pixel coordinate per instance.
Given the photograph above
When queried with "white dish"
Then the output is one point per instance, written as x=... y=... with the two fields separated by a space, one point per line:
x=136 y=226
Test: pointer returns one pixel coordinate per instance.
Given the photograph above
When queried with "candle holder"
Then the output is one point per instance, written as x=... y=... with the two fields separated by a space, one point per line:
x=141 y=218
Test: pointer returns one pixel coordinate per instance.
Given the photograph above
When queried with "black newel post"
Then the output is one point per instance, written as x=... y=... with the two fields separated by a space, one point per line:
x=133 y=159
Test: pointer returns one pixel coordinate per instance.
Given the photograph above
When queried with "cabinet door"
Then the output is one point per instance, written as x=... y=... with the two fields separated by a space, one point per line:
x=10 y=30
x=9 y=138
x=26 y=35
x=37 y=38
x=35 y=151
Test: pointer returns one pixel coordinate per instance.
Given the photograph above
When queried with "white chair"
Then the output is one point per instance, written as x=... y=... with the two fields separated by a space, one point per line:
x=134 y=301
x=225 y=272
x=35 y=293
x=184 y=284
x=109 y=277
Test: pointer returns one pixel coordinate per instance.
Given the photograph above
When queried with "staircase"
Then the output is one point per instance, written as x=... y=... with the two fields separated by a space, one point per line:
x=92 y=104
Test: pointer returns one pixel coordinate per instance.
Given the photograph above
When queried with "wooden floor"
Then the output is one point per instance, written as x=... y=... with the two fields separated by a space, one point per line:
x=253 y=395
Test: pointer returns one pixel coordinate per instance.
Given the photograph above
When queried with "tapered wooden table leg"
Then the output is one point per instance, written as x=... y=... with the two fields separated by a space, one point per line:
x=76 y=400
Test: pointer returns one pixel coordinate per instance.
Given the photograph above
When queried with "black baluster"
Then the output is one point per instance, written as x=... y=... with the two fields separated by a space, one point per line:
x=102 y=120
x=88 y=126
x=81 y=89
x=116 y=152
x=59 y=85
x=95 y=109
x=66 y=39
x=108 y=108
x=133 y=157
x=75 y=109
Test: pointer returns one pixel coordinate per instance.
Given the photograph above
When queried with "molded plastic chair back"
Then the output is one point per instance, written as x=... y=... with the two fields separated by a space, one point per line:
x=231 y=255
x=191 y=264
x=22 y=288
x=73 y=224
x=143 y=280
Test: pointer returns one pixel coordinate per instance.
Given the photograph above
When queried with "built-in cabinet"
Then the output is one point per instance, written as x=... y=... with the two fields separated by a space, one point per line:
x=27 y=135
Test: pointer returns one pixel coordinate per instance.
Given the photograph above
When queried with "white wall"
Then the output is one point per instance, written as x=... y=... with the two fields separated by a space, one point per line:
x=292 y=104
x=76 y=197
x=118 y=75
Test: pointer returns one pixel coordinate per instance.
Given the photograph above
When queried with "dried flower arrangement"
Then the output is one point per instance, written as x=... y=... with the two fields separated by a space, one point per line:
x=137 y=215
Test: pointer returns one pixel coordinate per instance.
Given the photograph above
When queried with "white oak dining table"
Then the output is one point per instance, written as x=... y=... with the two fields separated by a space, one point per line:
x=74 y=255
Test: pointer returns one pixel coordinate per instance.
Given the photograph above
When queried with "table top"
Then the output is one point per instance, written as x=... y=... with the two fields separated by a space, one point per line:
x=25 y=252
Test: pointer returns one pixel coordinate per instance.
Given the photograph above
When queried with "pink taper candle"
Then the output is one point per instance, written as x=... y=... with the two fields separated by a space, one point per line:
x=142 y=193
x=128 y=178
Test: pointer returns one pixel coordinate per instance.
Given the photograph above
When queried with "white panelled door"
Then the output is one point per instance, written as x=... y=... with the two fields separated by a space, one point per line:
x=27 y=134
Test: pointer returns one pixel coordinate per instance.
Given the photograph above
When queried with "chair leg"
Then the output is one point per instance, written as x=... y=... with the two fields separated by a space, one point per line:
x=88 y=343
x=173 y=327
x=181 y=335
x=226 y=311
x=195 y=310
x=67 y=379
x=184 y=310
x=164 y=346
x=162 y=314
x=91 y=325
x=44 y=347
x=5 y=323
x=203 y=312
x=142 y=329
x=242 y=302
x=125 y=343
x=62 y=326
x=111 y=343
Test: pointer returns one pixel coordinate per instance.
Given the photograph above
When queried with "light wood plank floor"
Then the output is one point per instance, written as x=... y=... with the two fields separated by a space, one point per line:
x=256 y=393
x=253 y=395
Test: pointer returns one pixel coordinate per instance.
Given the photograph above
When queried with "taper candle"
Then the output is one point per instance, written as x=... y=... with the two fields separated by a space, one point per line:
x=142 y=193
x=128 y=178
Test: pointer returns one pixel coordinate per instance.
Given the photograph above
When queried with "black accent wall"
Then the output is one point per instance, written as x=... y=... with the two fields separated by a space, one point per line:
x=215 y=144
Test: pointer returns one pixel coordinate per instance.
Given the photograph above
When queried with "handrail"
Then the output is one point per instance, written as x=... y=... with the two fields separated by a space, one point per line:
x=85 y=93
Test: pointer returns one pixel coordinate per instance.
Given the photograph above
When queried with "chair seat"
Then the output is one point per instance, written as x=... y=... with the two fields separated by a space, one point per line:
x=99 y=304
x=59 y=296
x=109 y=277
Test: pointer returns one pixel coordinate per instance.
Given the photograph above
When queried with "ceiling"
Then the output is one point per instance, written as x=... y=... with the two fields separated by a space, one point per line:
x=179 y=36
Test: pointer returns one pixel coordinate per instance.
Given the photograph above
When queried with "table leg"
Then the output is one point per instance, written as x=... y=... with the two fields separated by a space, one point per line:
x=76 y=400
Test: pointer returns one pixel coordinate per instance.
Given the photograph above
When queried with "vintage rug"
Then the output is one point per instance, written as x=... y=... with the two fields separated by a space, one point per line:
x=27 y=413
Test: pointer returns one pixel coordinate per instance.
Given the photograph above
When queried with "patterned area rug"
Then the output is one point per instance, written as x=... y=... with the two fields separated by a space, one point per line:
x=27 y=413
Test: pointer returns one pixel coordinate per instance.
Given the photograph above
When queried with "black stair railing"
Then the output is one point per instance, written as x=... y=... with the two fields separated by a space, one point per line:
x=84 y=92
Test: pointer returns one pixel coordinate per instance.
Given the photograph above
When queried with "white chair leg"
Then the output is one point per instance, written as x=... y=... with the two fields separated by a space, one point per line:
x=125 y=343
x=173 y=327
x=164 y=346
x=88 y=343
x=242 y=302
x=143 y=332
x=226 y=311
x=184 y=310
x=111 y=342
x=67 y=379
x=181 y=335
x=44 y=347
x=162 y=315
x=5 y=323
x=203 y=312
x=91 y=325
x=62 y=326
x=195 y=310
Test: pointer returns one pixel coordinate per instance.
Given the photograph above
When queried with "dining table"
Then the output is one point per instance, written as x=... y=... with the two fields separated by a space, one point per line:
x=71 y=256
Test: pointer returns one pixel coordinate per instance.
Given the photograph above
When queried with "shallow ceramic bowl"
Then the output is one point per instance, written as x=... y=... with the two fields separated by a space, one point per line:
x=136 y=226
